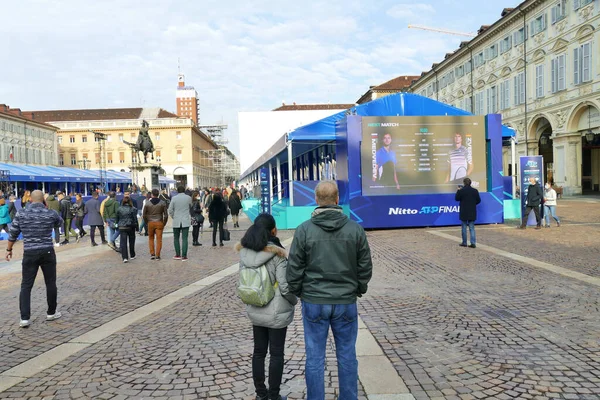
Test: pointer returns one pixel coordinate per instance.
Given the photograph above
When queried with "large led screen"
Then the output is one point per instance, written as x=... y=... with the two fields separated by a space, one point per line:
x=421 y=155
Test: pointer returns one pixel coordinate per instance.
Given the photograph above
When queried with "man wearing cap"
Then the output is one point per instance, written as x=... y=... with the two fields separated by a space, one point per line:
x=36 y=223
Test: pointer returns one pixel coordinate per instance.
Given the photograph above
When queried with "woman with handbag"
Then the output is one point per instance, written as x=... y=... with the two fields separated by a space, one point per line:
x=235 y=205
x=197 y=218
x=127 y=223
x=217 y=212
x=260 y=246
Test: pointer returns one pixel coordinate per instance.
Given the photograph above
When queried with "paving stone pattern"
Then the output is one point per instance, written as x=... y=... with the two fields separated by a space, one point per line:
x=461 y=323
x=197 y=348
x=98 y=289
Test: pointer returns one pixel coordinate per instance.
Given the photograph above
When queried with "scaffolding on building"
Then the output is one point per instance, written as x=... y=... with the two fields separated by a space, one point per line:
x=220 y=167
x=100 y=138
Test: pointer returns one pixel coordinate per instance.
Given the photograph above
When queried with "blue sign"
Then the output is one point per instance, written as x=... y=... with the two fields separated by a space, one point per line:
x=530 y=167
x=265 y=191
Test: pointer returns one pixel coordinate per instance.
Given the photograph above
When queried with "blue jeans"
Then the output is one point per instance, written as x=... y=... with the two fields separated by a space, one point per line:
x=471 y=225
x=343 y=319
x=113 y=233
x=550 y=211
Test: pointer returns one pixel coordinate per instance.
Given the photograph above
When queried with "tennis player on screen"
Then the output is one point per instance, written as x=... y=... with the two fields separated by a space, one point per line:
x=460 y=161
x=386 y=163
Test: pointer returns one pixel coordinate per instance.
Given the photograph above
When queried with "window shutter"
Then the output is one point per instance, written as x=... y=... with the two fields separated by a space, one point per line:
x=554 y=14
x=576 y=4
x=544 y=21
x=516 y=91
x=586 y=63
x=561 y=72
x=576 y=65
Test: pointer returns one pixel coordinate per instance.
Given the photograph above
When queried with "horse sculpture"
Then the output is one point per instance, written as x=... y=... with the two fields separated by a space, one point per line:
x=144 y=143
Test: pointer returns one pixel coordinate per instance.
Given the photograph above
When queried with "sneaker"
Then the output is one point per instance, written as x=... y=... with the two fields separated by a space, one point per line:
x=152 y=257
x=104 y=242
x=214 y=245
x=221 y=244
x=77 y=239
x=558 y=224
x=94 y=244
x=157 y=258
x=54 y=316
x=472 y=245
x=24 y=323
x=538 y=227
x=184 y=258
x=463 y=245
x=177 y=258
x=125 y=260
x=132 y=258
x=56 y=244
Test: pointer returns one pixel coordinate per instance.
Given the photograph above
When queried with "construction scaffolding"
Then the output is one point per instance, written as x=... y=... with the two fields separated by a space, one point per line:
x=220 y=167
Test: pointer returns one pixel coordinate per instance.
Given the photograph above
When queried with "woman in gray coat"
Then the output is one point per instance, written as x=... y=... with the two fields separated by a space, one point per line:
x=260 y=246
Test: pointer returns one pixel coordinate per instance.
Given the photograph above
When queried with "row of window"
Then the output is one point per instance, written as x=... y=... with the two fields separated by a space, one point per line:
x=19 y=128
x=537 y=25
x=85 y=161
x=20 y=154
x=84 y=138
x=498 y=97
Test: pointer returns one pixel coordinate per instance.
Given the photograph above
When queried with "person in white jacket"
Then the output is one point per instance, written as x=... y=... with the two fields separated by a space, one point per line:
x=550 y=205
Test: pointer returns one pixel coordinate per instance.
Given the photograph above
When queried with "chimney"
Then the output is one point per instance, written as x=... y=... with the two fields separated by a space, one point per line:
x=15 y=111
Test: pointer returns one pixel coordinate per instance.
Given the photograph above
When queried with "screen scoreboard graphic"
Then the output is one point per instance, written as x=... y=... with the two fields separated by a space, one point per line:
x=422 y=155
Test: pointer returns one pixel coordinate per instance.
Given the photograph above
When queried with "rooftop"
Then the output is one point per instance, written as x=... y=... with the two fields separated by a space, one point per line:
x=101 y=114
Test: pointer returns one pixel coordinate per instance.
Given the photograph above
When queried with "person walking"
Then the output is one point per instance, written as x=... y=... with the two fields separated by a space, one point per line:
x=66 y=213
x=468 y=198
x=217 y=212
x=260 y=246
x=53 y=204
x=36 y=223
x=4 y=216
x=550 y=205
x=144 y=225
x=127 y=224
x=207 y=200
x=534 y=198
x=79 y=214
x=92 y=209
x=179 y=210
x=155 y=215
x=109 y=214
x=329 y=266
x=235 y=205
x=197 y=218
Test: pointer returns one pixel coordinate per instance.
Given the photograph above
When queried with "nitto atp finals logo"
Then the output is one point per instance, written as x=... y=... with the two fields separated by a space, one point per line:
x=424 y=210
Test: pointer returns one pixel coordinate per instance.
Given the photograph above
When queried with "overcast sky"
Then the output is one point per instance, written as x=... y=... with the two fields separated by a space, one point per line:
x=239 y=55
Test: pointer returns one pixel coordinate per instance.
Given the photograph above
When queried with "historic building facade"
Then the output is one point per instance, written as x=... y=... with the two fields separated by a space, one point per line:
x=538 y=66
x=24 y=140
x=181 y=148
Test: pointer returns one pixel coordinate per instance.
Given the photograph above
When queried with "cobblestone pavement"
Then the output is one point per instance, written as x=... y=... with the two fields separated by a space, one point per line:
x=456 y=323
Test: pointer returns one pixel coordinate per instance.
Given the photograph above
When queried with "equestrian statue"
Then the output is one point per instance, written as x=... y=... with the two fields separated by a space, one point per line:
x=144 y=143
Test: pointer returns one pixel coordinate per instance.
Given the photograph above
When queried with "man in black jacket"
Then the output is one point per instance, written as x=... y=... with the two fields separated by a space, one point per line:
x=534 y=199
x=329 y=267
x=468 y=198
x=66 y=213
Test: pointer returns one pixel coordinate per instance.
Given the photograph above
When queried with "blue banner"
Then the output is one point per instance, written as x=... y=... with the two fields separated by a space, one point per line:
x=530 y=167
x=265 y=192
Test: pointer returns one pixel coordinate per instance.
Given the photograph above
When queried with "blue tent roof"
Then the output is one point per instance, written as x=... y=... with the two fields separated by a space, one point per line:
x=34 y=173
x=399 y=104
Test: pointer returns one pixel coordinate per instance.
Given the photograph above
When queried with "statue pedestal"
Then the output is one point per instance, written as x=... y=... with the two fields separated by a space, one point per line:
x=147 y=175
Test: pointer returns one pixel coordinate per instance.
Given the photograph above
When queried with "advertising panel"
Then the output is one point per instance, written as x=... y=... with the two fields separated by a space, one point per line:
x=265 y=191
x=422 y=155
x=530 y=167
